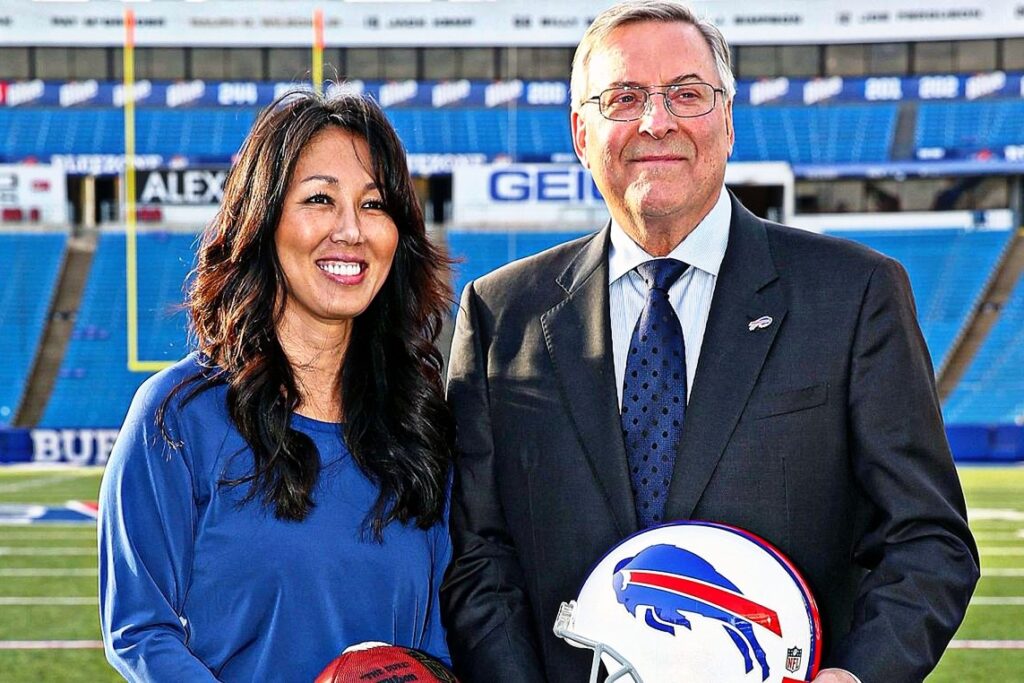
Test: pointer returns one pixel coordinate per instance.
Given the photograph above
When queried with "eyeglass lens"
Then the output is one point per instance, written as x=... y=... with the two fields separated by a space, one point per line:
x=683 y=100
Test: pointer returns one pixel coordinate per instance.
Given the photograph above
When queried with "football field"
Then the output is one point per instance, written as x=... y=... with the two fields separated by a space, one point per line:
x=49 y=624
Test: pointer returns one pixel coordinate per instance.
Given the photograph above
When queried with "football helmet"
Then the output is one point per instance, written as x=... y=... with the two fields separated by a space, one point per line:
x=695 y=602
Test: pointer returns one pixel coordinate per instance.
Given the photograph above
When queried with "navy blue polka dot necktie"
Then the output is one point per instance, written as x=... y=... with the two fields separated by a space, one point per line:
x=654 y=393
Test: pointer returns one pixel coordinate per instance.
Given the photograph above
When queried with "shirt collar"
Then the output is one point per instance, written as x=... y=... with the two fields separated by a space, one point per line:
x=704 y=248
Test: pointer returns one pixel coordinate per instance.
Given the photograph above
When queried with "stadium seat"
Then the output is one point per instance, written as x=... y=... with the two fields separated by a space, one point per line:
x=970 y=127
x=948 y=270
x=29 y=263
x=992 y=389
x=94 y=386
x=824 y=134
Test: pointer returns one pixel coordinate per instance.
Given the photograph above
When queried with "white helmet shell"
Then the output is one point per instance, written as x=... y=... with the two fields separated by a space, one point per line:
x=696 y=602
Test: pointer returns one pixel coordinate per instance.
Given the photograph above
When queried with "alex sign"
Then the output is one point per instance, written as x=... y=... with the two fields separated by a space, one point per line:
x=523 y=194
x=181 y=187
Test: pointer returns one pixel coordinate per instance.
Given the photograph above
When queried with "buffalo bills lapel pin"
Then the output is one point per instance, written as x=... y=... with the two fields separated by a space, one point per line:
x=760 y=323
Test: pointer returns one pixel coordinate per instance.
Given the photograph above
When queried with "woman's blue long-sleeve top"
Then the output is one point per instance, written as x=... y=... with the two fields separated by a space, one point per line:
x=196 y=587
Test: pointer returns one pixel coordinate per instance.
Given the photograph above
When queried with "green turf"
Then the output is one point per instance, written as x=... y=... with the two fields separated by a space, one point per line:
x=990 y=492
x=50 y=622
x=1000 y=586
x=42 y=586
x=49 y=562
x=979 y=666
x=29 y=540
x=66 y=666
x=49 y=487
x=989 y=563
x=993 y=622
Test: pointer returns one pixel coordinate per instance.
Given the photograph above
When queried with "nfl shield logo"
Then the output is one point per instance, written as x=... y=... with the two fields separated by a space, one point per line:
x=793 y=657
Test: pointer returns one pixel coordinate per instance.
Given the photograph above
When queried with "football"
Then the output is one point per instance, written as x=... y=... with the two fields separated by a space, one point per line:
x=382 y=663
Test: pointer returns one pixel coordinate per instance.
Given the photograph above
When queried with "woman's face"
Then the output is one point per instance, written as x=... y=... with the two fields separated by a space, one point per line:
x=334 y=241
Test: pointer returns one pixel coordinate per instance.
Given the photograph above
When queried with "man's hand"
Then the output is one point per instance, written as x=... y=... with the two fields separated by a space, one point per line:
x=835 y=676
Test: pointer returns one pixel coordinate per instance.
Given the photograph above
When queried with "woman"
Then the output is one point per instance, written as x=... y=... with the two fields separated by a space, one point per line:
x=280 y=494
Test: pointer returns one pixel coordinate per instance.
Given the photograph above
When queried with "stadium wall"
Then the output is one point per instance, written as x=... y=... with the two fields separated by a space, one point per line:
x=995 y=444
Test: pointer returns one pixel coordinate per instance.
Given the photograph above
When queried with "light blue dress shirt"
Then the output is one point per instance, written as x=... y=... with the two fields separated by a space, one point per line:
x=690 y=296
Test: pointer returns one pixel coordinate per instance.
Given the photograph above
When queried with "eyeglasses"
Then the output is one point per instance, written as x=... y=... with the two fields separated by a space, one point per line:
x=630 y=102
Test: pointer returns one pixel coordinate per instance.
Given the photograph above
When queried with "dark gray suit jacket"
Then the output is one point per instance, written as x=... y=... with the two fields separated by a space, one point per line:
x=821 y=433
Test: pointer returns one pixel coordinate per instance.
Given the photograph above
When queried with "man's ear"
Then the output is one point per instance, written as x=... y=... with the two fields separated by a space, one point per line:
x=729 y=130
x=579 y=137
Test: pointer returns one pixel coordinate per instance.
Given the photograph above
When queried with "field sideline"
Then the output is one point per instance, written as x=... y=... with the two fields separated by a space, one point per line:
x=49 y=623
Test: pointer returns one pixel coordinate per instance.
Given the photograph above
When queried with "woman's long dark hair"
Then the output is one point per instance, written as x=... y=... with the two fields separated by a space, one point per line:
x=397 y=425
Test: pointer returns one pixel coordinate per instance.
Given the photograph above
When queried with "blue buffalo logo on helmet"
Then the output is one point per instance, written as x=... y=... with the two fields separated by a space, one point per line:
x=695 y=601
x=671 y=582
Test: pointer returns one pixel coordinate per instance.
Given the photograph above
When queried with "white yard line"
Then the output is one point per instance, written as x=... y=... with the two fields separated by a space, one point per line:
x=997 y=601
x=1001 y=550
x=53 y=467
x=50 y=644
x=1003 y=571
x=15 y=526
x=1000 y=514
x=33 y=551
x=87 y=533
x=39 y=571
x=999 y=535
x=19 y=601
x=36 y=482
x=987 y=645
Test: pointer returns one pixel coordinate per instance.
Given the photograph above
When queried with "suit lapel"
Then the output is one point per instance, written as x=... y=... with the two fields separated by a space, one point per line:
x=731 y=357
x=577 y=332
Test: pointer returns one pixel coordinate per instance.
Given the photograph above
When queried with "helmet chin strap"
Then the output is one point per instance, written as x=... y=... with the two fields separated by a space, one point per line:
x=563 y=629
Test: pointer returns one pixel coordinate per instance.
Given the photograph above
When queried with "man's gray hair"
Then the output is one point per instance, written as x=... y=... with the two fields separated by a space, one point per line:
x=634 y=11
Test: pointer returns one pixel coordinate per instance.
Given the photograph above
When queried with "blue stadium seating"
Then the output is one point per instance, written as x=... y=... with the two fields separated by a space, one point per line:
x=970 y=126
x=40 y=132
x=802 y=135
x=824 y=134
x=94 y=386
x=218 y=133
x=29 y=264
x=947 y=269
x=992 y=389
x=478 y=253
x=526 y=132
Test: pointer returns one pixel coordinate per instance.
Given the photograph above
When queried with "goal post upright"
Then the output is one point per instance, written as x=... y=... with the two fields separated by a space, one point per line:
x=130 y=213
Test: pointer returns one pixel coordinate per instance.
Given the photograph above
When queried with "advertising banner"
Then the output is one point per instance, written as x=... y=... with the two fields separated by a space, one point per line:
x=526 y=194
x=490 y=94
x=56 y=446
x=92 y=447
x=562 y=196
x=181 y=187
x=498 y=22
x=33 y=192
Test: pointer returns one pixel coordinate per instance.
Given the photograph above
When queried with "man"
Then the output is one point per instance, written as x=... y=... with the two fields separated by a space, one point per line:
x=808 y=414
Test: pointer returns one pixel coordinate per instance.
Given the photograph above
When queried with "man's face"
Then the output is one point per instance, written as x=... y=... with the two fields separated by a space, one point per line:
x=659 y=166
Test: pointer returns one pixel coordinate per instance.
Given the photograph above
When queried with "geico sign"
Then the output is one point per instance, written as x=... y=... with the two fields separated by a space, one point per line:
x=525 y=184
x=75 y=446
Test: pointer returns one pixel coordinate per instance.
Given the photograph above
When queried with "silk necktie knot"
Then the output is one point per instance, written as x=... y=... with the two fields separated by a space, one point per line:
x=660 y=274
